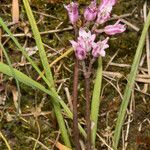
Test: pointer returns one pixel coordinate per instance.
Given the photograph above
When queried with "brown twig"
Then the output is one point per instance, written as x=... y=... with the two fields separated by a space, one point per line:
x=75 y=111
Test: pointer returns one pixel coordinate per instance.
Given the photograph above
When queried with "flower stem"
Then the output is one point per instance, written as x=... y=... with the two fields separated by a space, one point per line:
x=75 y=110
x=87 y=74
x=87 y=117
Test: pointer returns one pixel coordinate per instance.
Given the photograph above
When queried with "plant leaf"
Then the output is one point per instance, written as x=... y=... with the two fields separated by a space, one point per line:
x=96 y=100
x=129 y=86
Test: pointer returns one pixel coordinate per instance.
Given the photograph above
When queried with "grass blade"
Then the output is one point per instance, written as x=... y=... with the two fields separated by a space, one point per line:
x=20 y=48
x=15 y=11
x=129 y=86
x=39 y=43
x=5 y=69
x=17 y=83
x=96 y=100
x=47 y=70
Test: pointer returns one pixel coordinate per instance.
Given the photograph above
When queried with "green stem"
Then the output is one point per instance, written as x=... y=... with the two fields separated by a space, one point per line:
x=130 y=83
x=96 y=100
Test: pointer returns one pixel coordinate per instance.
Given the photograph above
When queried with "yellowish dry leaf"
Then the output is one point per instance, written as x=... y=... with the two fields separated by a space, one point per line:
x=15 y=96
x=15 y=11
x=61 y=146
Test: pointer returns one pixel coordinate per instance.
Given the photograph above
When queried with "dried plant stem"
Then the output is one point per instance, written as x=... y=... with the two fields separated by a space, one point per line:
x=4 y=139
x=75 y=111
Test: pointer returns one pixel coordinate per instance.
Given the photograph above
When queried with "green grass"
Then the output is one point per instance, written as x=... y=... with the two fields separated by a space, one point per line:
x=48 y=72
x=129 y=86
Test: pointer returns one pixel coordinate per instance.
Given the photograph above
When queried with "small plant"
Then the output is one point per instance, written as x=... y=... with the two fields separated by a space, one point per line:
x=90 y=44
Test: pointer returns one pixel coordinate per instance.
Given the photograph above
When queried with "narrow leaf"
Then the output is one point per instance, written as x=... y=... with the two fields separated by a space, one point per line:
x=48 y=72
x=5 y=69
x=96 y=100
x=39 y=43
x=130 y=83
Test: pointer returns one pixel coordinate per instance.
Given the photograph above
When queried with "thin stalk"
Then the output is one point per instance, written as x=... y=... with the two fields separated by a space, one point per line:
x=87 y=116
x=130 y=83
x=4 y=139
x=87 y=74
x=75 y=110
x=96 y=100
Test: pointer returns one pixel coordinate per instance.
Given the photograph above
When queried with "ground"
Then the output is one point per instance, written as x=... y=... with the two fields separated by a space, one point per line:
x=51 y=15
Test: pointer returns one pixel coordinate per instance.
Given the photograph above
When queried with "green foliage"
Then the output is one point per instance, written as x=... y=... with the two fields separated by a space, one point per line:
x=129 y=86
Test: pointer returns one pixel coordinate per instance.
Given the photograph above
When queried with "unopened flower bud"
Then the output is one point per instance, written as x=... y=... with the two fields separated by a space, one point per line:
x=90 y=12
x=104 y=11
x=73 y=14
x=114 y=29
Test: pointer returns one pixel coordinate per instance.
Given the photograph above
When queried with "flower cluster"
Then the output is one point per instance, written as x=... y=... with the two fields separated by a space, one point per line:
x=84 y=43
x=97 y=15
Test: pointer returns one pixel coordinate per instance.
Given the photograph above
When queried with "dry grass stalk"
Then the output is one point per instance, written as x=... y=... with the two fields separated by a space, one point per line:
x=147 y=38
x=1 y=55
x=15 y=11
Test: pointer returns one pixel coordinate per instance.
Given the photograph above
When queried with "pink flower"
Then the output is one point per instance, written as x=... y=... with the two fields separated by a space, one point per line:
x=91 y=11
x=99 y=48
x=104 y=11
x=79 y=50
x=86 y=39
x=114 y=29
x=84 y=43
x=73 y=14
